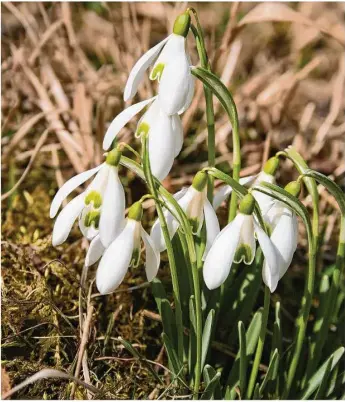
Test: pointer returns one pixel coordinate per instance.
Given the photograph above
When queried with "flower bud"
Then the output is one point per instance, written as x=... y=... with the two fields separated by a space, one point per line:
x=135 y=211
x=294 y=188
x=182 y=24
x=113 y=157
x=200 y=181
x=271 y=166
x=247 y=205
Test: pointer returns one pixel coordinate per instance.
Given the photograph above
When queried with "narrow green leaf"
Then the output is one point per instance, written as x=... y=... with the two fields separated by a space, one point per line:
x=172 y=355
x=316 y=379
x=270 y=371
x=243 y=357
x=323 y=386
x=192 y=335
x=256 y=394
x=209 y=374
x=212 y=382
x=206 y=336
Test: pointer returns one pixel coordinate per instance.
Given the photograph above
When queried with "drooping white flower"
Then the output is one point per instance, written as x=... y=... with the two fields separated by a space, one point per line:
x=100 y=208
x=267 y=174
x=172 y=69
x=165 y=134
x=194 y=203
x=124 y=251
x=283 y=225
x=236 y=243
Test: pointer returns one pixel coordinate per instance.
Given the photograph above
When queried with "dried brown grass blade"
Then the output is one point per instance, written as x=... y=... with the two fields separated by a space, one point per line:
x=48 y=373
x=266 y=12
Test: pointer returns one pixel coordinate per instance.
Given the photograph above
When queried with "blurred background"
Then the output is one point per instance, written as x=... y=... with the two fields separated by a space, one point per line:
x=64 y=67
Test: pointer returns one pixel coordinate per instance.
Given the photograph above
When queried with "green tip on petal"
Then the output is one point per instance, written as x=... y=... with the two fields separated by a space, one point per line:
x=157 y=72
x=113 y=157
x=94 y=197
x=135 y=211
x=182 y=24
x=247 y=204
x=243 y=253
x=200 y=181
x=294 y=188
x=271 y=165
x=143 y=129
x=92 y=217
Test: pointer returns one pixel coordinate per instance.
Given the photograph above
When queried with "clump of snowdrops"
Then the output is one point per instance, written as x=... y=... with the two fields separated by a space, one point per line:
x=209 y=265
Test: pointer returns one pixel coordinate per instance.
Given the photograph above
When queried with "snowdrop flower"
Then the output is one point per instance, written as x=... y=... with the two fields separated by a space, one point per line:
x=194 y=202
x=267 y=175
x=171 y=69
x=100 y=208
x=125 y=251
x=283 y=225
x=165 y=134
x=236 y=243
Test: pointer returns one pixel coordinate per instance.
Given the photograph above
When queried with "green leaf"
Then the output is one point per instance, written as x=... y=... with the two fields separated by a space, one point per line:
x=176 y=364
x=323 y=386
x=192 y=335
x=252 y=336
x=206 y=336
x=212 y=382
x=316 y=379
x=270 y=371
x=243 y=357
x=256 y=395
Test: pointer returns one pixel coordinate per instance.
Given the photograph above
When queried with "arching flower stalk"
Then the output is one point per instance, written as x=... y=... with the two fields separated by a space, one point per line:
x=194 y=202
x=267 y=174
x=171 y=69
x=100 y=208
x=165 y=133
x=125 y=251
x=236 y=243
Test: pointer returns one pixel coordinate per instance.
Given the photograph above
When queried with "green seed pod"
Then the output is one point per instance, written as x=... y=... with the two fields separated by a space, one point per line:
x=200 y=181
x=182 y=24
x=113 y=157
x=294 y=188
x=271 y=166
x=247 y=204
x=136 y=211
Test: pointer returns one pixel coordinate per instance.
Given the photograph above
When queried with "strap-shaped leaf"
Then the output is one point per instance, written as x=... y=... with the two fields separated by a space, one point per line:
x=323 y=386
x=192 y=335
x=316 y=379
x=176 y=364
x=206 y=336
x=212 y=382
x=270 y=371
x=243 y=357
x=256 y=394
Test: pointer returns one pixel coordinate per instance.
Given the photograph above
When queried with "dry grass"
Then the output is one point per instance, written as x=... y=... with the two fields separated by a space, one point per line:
x=64 y=67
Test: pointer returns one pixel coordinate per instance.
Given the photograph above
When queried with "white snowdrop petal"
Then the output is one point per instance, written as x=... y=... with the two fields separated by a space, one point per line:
x=224 y=191
x=221 y=255
x=247 y=237
x=212 y=226
x=95 y=251
x=116 y=259
x=88 y=231
x=161 y=146
x=113 y=208
x=189 y=95
x=69 y=186
x=285 y=239
x=152 y=256
x=66 y=218
x=121 y=120
x=270 y=271
x=137 y=73
x=178 y=133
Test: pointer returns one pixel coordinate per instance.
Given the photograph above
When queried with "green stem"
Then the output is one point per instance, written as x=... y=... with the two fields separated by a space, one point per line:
x=170 y=252
x=260 y=347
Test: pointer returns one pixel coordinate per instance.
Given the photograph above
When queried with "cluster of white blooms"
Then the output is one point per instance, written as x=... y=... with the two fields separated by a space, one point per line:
x=116 y=240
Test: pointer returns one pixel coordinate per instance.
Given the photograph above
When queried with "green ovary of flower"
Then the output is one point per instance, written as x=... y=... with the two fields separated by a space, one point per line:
x=92 y=217
x=243 y=253
x=94 y=197
x=157 y=72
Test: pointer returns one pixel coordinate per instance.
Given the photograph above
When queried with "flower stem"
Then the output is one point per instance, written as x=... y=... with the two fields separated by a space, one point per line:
x=170 y=252
x=260 y=346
